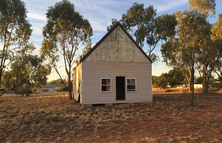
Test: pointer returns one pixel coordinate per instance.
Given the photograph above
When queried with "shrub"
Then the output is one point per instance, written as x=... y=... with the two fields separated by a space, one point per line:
x=63 y=88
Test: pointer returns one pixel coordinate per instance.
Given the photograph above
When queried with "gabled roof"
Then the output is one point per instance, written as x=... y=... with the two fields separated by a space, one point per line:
x=104 y=37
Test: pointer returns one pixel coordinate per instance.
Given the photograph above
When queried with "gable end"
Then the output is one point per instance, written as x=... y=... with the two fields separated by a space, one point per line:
x=114 y=27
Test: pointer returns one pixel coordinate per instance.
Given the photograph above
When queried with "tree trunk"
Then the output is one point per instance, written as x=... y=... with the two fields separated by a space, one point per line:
x=204 y=78
x=70 y=86
x=1 y=78
x=207 y=81
x=188 y=80
x=192 y=85
x=207 y=85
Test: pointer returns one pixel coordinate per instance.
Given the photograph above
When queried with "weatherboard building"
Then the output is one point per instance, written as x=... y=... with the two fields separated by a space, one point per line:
x=115 y=70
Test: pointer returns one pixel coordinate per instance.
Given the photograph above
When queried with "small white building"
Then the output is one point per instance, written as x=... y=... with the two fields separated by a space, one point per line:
x=51 y=87
x=216 y=84
x=115 y=70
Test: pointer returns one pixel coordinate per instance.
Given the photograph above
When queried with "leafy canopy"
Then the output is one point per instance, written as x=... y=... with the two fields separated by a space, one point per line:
x=185 y=50
x=15 y=31
x=217 y=42
x=27 y=72
x=192 y=30
x=205 y=7
x=65 y=33
x=57 y=81
x=146 y=27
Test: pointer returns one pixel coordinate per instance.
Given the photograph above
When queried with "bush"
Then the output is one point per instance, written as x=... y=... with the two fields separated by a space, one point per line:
x=63 y=88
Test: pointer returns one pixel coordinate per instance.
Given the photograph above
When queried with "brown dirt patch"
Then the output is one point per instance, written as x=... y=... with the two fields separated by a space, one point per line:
x=169 y=118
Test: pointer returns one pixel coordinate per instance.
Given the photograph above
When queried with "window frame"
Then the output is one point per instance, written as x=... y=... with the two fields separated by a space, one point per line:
x=102 y=84
x=135 y=84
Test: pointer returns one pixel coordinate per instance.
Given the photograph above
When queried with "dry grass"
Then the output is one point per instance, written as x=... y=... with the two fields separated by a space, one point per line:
x=169 y=118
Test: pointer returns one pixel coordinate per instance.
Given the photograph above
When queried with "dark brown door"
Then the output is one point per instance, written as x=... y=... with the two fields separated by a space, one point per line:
x=120 y=88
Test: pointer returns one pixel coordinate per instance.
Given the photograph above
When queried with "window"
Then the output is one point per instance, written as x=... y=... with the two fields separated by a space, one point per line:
x=131 y=84
x=105 y=84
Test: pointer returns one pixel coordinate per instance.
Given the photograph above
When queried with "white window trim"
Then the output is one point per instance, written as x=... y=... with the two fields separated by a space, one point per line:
x=101 y=84
x=135 y=84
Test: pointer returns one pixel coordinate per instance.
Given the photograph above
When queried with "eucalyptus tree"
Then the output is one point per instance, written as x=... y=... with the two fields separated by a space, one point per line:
x=26 y=72
x=183 y=51
x=66 y=31
x=217 y=50
x=15 y=31
x=175 y=76
x=148 y=29
x=207 y=8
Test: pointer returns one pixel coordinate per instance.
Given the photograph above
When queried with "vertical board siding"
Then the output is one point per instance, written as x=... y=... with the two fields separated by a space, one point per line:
x=117 y=47
x=94 y=71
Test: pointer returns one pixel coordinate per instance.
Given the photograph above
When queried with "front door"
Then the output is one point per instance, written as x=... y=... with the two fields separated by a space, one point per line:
x=120 y=88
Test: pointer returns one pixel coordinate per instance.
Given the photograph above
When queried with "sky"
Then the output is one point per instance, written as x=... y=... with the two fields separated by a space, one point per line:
x=100 y=14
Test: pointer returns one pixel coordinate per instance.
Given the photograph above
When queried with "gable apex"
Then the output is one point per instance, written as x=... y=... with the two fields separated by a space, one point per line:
x=107 y=35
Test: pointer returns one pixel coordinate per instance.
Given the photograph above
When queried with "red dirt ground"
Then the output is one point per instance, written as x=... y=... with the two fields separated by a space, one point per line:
x=169 y=118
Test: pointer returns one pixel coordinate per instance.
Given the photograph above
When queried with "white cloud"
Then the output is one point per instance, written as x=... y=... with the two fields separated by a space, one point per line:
x=99 y=13
x=170 y=5
x=103 y=11
x=36 y=16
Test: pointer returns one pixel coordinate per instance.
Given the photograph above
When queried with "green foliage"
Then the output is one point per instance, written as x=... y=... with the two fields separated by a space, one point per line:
x=154 y=78
x=15 y=31
x=185 y=49
x=207 y=55
x=25 y=73
x=162 y=80
x=206 y=7
x=146 y=27
x=199 y=80
x=217 y=50
x=66 y=32
x=63 y=88
x=175 y=76
x=57 y=81
x=172 y=78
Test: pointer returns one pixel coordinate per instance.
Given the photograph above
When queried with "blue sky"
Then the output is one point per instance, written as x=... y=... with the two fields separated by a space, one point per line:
x=99 y=13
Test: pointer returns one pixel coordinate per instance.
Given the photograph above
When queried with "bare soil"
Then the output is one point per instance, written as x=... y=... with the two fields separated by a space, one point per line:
x=169 y=118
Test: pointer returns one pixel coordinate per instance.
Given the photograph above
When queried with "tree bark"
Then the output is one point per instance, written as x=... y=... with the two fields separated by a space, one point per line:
x=189 y=82
x=188 y=79
x=204 y=78
x=192 y=86
x=208 y=79
x=1 y=79
x=70 y=86
x=207 y=84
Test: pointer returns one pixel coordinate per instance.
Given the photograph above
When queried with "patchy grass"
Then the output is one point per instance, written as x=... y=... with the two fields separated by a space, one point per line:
x=169 y=118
